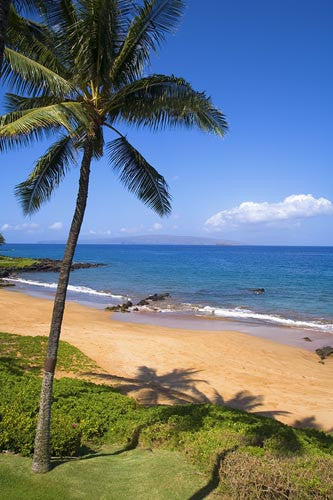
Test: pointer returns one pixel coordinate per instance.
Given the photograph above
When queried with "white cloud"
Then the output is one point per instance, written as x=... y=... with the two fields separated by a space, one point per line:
x=27 y=227
x=157 y=226
x=107 y=232
x=56 y=226
x=296 y=206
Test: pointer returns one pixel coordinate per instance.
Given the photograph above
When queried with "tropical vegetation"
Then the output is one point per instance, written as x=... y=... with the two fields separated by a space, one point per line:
x=79 y=74
x=237 y=455
x=7 y=262
x=2 y=239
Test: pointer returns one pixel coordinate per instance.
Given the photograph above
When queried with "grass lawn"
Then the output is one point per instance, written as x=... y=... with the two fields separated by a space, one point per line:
x=27 y=354
x=135 y=474
x=19 y=262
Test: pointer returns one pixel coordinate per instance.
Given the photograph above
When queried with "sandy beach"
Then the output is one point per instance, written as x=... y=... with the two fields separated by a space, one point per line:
x=157 y=364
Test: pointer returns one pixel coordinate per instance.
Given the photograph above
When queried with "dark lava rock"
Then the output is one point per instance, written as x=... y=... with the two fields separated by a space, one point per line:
x=47 y=265
x=307 y=339
x=257 y=291
x=120 y=307
x=158 y=296
x=143 y=302
x=4 y=284
x=324 y=352
x=113 y=308
x=153 y=298
x=136 y=309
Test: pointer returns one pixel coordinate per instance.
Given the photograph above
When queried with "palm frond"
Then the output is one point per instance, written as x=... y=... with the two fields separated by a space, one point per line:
x=139 y=176
x=105 y=21
x=14 y=102
x=61 y=13
x=153 y=20
x=21 y=127
x=34 y=40
x=46 y=175
x=93 y=55
x=29 y=76
x=31 y=6
x=160 y=101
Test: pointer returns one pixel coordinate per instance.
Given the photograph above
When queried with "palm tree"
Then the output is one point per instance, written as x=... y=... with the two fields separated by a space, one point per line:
x=2 y=239
x=84 y=77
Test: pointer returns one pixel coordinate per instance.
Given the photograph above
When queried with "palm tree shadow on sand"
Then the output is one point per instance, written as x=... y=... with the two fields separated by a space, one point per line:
x=179 y=386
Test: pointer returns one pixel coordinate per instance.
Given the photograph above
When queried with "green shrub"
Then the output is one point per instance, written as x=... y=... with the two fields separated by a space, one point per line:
x=81 y=411
x=17 y=431
x=66 y=436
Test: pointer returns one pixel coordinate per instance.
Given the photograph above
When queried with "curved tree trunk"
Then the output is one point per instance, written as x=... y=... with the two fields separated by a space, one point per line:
x=41 y=459
x=4 y=14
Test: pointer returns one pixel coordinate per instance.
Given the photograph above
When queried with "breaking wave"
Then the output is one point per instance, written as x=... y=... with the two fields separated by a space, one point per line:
x=71 y=288
x=239 y=313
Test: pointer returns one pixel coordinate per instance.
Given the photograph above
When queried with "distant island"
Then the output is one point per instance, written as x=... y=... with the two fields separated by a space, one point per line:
x=152 y=239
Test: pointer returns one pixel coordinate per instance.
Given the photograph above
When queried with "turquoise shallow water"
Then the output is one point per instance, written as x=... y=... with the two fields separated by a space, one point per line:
x=203 y=280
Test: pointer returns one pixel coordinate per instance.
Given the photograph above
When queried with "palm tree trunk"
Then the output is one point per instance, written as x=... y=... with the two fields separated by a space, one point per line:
x=41 y=459
x=4 y=14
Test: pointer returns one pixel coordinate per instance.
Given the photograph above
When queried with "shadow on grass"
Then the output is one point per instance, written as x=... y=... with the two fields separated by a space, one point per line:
x=214 y=480
x=87 y=453
x=15 y=367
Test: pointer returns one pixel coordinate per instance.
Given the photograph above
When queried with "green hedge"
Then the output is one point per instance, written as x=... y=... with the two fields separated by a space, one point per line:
x=81 y=412
x=85 y=412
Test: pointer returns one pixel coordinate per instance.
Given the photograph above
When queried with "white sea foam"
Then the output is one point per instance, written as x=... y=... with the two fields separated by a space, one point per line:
x=238 y=313
x=71 y=288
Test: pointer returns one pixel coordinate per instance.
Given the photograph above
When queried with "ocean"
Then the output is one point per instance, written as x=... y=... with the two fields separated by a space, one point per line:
x=207 y=281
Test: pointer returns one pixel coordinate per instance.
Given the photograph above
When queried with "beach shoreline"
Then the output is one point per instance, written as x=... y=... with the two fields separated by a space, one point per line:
x=251 y=286
x=160 y=364
x=171 y=314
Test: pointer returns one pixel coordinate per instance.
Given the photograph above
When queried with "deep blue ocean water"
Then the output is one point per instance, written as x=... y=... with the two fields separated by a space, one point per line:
x=206 y=280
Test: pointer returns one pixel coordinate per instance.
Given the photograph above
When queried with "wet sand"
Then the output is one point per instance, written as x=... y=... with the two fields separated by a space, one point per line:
x=159 y=364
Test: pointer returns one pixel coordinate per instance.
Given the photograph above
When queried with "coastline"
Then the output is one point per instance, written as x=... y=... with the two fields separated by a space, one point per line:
x=223 y=288
x=159 y=364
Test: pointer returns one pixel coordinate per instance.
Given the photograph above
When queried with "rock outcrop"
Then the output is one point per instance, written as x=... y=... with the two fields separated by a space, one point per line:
x=5 y=284
x=46 y=265
x=325 y=352
x=156 y=297
x=120 y=307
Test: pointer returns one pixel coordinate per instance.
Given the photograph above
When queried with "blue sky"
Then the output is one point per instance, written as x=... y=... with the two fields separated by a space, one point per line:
x=267 y=65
